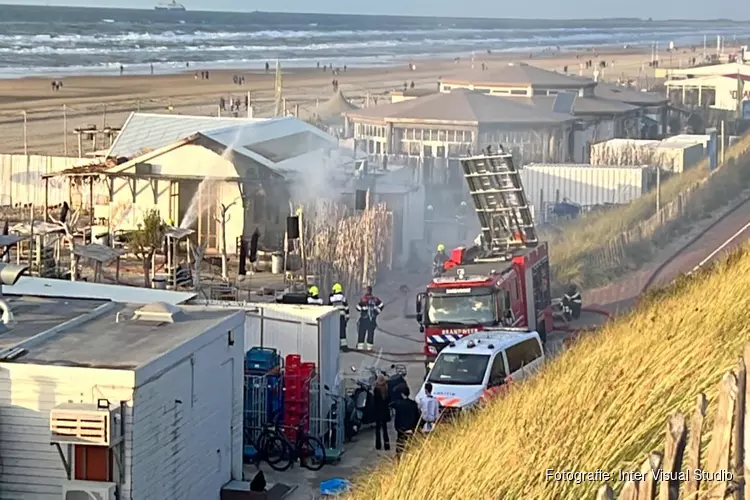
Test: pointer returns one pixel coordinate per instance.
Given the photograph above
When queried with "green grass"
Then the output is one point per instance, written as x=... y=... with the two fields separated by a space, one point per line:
x=577 y=249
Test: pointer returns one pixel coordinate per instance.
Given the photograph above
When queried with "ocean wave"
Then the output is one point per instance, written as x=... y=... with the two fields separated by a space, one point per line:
x=180 y=36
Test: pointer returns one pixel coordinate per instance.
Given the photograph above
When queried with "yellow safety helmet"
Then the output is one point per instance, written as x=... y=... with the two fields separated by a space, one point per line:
x=313 y=290
x=441 y=248
x=337 y=288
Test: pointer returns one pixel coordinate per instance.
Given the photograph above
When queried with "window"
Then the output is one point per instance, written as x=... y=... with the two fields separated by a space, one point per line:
x=460 y=369
x=540 y=92
x=519 y=92
x=540 y=278
x=461 y=309
x=446 y=87
x=441 y=136
x=497 y=374
x=410 y=134
x=450 y=135
x=522 y=354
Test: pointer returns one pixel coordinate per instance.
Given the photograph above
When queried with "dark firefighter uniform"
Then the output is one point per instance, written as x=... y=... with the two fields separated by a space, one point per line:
x=439 y=260
x=573 y=300
x=313 y=297
x=338 y=300
x=369 y=307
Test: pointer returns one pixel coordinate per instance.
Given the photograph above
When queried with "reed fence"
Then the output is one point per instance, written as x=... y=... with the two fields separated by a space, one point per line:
x=614 y=252
x=682 y=471
x=348 y=247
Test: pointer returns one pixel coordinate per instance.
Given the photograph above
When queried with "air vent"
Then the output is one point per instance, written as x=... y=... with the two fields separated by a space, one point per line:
x=159 y=312
x=84 y=424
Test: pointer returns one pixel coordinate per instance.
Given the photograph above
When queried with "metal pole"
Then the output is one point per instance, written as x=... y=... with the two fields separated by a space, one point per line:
x=65 y=131
x=302 y=247
x=722 y=142
x=249 y=107
x=25 y=135
x=104 y=117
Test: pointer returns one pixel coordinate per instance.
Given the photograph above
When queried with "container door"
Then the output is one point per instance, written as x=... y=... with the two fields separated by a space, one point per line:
x=226 y=402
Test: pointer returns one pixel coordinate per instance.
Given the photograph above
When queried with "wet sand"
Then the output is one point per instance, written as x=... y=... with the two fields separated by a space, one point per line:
x=107 y=100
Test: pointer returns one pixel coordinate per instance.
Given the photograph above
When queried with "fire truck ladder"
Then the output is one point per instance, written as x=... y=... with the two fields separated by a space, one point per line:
x=500 y=202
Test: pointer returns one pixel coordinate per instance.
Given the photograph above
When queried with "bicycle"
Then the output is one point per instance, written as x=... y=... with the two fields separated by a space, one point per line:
x=276 y=449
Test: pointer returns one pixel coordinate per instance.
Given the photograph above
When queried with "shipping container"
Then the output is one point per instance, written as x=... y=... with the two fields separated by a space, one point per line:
x=310 y=331
x=674 y=156
x=585 y=185
x=701 y=139
x=678 y=156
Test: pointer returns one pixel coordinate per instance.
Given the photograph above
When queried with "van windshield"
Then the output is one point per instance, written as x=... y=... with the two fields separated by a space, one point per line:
x=459 y=369
x=461 y=309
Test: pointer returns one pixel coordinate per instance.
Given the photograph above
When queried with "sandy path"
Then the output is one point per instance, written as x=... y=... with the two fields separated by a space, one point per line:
x=109 y=99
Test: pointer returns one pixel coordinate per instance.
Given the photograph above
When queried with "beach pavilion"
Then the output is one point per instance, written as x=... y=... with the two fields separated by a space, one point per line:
x=189 y=168
x=332 y=114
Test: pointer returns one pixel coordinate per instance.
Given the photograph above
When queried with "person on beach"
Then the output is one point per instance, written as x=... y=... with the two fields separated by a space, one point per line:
x=267 y=67
x=152 y=68
x=122 y=69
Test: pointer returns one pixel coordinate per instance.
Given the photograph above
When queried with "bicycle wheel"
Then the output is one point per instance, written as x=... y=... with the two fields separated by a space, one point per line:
x=278 y=453
x=312 y=453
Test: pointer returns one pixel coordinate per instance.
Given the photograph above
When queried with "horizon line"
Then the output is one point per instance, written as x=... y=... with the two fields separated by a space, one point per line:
x=453 y=18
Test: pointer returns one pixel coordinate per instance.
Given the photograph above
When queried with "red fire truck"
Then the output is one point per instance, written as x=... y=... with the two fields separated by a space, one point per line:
x=502 y=281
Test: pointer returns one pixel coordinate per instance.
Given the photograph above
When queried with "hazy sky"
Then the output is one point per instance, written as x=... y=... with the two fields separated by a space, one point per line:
x=549 y=9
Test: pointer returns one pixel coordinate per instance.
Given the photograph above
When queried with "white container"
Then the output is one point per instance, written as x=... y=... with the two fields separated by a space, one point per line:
x=585 y=185
x=159 y=282
x=310 y=331
x=277 y=263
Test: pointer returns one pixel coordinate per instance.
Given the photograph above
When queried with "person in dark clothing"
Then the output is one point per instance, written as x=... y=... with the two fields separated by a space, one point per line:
x=439 y=260
x=369 y=307
x=382 y=409
x=338 y=300
x=406 y=418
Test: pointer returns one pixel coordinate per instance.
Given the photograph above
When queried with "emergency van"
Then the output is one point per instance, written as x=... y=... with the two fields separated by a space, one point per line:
x=477 y=366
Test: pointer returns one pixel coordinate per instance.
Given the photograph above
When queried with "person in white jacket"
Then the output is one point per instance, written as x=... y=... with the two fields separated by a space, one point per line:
x=429 y=408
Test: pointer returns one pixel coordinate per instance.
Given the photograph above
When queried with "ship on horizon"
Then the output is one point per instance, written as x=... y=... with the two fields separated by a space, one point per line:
x=173 y=5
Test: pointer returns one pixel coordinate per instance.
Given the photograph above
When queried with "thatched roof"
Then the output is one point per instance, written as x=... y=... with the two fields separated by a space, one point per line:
x=334 y=107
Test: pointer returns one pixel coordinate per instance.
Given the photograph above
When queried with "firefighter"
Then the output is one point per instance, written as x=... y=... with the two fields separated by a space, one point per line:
x=338 y=300
x=439 y=261
x=313 y=297
x=572 y=301
x=369 y=307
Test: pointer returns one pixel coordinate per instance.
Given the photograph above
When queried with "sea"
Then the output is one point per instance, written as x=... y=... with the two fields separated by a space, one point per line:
x=44 y=40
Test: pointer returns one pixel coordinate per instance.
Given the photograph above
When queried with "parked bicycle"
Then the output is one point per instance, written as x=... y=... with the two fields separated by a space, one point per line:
x=280 y=453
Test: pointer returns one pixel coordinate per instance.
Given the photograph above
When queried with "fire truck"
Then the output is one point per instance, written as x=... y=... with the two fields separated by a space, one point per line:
x=500 y=282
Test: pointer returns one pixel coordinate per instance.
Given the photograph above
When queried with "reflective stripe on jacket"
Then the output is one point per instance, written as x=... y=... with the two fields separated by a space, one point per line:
x=338 y=300
x=315 y=301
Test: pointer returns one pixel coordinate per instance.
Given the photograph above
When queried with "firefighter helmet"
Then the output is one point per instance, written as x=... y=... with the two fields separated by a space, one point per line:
x=313 y=291
x=441 y=248
x=337 y=288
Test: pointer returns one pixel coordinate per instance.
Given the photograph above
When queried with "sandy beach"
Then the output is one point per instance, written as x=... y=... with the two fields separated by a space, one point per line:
x=107 y=100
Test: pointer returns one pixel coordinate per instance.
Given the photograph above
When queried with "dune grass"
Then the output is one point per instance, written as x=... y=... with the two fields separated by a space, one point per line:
x=602 y=404
x=575 y=245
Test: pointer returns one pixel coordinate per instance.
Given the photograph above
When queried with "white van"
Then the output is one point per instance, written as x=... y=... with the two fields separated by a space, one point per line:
x=480 y=364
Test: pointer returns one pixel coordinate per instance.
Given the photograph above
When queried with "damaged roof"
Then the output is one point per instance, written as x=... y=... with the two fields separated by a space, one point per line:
x=464 y=107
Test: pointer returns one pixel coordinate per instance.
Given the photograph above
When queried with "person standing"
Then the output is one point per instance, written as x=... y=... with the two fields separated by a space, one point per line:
x=369 y=307
x=382 y=409
x=338 y=300
x=406 y=418
x=429 y=408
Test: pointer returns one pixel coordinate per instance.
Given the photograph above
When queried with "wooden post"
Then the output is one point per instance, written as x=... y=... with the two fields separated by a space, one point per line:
x=91 y=216
x=658 y=188
x=717 y=459
x=646 y=488
x=693 y=449
x=738 y=427
x=117 y=271
x=46 y=199
x=31 y=234
x=65 y=130
x=673 y=443
x=629 y=491
x=605 y=493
